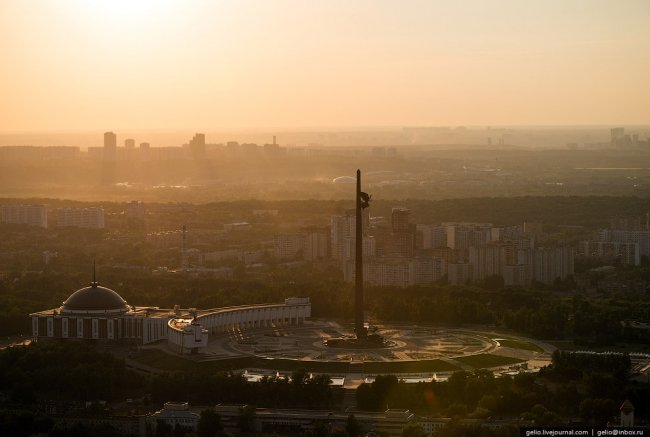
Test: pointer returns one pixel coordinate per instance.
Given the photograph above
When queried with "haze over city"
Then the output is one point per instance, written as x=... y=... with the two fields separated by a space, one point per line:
x=221 y=65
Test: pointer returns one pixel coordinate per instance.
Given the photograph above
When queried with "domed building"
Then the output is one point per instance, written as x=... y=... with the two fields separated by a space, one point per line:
x=97 y=313
x=94 y=298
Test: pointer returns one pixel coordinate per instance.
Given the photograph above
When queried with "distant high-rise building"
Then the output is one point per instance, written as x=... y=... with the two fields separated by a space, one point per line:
x=249 y=148
x=316 y=244
x=431 y=236
x=461 y=236
x=197 y=146
x=398 y=240
x=232 y=147
x=625 y=253
x=517 y=275
x=110 y=140
x=639 y=236
x=129 y=143
x=617 y=134
x=551 y=263
x=109 y=155
x=490 y=259
x=92 y=218
x=400 y=219
x=144 y=152
x=502 y=258
x=458 y=273
x=289 y=246
x=342 y=228
x=33 y=215
x=534 y=230
x=369 y=247
x=273 y=150
x=426 y=269
x=135 y=210
x=381 y=272
x=110 y=144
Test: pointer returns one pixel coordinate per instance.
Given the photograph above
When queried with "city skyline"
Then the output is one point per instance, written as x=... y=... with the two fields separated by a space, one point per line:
x=237 y=65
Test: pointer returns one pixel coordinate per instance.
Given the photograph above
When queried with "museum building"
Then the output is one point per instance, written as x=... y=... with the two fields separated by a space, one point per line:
x=99 y=313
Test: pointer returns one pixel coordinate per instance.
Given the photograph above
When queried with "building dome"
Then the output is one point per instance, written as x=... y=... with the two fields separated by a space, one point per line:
x=94 y=298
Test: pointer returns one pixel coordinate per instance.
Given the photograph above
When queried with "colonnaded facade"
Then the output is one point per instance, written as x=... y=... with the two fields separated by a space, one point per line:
x=99 y=313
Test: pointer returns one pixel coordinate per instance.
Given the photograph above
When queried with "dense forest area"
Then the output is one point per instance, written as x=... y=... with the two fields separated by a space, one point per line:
x=552 y=210
x=77 y=379
x=589 y=388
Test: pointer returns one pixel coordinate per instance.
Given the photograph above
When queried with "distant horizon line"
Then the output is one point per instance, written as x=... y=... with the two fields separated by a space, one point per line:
x=326 y=128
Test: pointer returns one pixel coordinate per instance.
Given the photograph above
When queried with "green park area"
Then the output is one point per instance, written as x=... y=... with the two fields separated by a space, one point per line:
x=160 y=360
x=519 y=344
x=483 y=361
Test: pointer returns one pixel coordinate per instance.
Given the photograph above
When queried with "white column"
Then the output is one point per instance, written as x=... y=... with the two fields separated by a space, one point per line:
x=50 y=327
x=35 y=326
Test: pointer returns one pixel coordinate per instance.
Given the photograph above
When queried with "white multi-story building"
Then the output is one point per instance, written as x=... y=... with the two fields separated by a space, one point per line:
x=516 y=275
x=311 y=245
x=91 y=218
x=431 y=236
x=458 y=273
x=289 y=246
x=342 y=229
x=33 y=215
x=627 y=253
x=488 y=260
x=316 y=246
x=135 y=210
x=640 y=237
x=551 y=263
x=381 y=272
x=425 y=270
x=386 y=272
x=462 y=236
x=369 y=247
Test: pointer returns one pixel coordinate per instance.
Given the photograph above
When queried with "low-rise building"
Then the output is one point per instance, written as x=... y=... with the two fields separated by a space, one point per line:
x=174 y=414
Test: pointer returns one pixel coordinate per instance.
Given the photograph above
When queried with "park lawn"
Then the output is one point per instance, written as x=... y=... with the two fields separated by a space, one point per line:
x=564 y=345
x=482 y=361
x=518 y=344
x=568 y=345
x=168 y=362
x=408 y=366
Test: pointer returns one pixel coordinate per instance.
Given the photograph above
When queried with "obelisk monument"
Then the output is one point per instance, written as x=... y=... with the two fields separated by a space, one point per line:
x=359 y=328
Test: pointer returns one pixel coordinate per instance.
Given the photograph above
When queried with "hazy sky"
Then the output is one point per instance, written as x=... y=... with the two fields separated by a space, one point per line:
x=158 y=64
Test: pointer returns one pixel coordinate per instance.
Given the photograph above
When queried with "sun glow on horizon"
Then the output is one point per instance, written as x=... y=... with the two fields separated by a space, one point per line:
x=87 y=64
x=119 y=11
